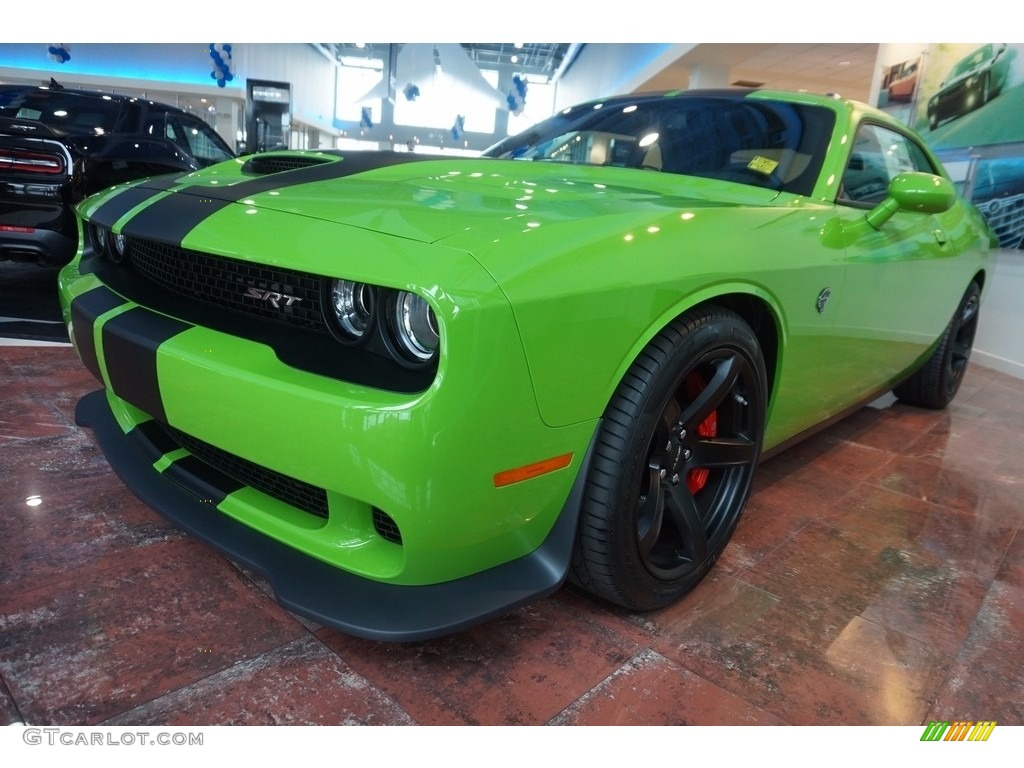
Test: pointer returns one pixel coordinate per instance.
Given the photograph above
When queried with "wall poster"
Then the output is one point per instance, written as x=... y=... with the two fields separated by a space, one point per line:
x=967 y=101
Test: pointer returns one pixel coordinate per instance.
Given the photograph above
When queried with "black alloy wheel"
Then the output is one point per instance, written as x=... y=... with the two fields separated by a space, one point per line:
x=674 y=461
x=936 y=382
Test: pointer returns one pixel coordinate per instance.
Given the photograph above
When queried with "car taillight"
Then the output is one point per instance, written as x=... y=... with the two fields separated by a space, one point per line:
x=23 y=161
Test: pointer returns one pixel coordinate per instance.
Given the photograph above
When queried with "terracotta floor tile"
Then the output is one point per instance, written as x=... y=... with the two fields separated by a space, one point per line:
x=300 y=683
x=965 y=540
x=890 y=426
x=1011 y=571
x=986 y=680
x=994 y=639
x=935 y=604
x=864 y=673
x=651 y=690
x=27 y=416
x=974 y=448
x=168 y=614
x=937 y=483
x=719 y=608
x=521 y=669
x=977 y=693
x=771 y=518
x=820 y=564
x=9 y=713
x=73 y=531
x=1003 y=402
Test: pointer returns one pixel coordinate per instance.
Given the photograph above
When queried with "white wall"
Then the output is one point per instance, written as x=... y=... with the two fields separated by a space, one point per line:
x=1000 y=340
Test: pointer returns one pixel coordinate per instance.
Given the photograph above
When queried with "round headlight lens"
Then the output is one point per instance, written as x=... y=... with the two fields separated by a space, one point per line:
x=416 y=327
x=353 y=306
x=120 y=246
x=99 y=239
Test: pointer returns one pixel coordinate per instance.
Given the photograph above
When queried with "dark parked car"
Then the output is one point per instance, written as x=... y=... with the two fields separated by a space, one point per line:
x=970 y=84
x=58 y=145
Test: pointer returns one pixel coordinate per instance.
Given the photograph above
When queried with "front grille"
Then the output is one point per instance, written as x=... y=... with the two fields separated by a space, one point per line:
x=261 y=165
x=284 y=296
x=386 y=527
x=304 y=496
x=1006 y=217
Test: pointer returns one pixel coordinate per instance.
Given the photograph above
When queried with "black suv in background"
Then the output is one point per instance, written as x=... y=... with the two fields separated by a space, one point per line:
x=58 y=145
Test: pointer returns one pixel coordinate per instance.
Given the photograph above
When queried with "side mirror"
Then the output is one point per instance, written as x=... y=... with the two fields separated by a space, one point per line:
x=914 y=191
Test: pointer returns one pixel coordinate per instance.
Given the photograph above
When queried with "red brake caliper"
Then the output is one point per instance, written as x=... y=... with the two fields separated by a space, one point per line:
x=696 y=479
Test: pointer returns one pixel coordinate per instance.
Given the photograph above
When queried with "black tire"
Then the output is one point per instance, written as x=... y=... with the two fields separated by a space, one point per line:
x=936 y=382
x=673 y=462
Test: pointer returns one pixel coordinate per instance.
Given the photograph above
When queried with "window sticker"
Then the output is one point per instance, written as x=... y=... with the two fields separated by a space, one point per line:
x=763 y=165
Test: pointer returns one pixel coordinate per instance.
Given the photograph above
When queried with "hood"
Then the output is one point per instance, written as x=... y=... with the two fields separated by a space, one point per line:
x=430 y=199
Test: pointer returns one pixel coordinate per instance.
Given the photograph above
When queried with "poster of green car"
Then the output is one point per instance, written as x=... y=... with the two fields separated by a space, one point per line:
x=971 y=95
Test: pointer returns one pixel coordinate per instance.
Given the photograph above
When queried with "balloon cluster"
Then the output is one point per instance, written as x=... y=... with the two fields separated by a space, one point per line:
x=221 y=55
x=459 y=127
x=59 y=52
x=517 y=96
x=366 y=118
x=411 y=91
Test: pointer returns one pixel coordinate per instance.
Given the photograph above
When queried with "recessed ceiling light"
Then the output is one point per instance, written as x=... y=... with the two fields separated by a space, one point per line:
x=844 y=63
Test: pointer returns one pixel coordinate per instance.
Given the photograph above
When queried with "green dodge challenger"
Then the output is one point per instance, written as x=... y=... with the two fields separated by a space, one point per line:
x=416 y=392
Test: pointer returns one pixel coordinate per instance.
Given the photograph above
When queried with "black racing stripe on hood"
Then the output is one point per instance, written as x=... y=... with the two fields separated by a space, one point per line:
x=172 y=218
x=349 y=164
x=130 y=344
x=112 y=210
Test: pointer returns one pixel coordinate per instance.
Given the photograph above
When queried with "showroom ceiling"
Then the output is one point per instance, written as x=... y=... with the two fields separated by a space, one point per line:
x=538 y=59
x=844 y=68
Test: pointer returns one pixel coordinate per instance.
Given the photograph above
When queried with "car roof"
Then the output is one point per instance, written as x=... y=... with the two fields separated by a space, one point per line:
x=76 y=93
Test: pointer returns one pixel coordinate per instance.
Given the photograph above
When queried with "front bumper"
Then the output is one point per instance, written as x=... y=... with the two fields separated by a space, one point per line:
x=310 y=587
x=467 y=548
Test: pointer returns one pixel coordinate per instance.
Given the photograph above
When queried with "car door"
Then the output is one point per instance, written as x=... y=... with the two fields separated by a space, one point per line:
x=898 y=295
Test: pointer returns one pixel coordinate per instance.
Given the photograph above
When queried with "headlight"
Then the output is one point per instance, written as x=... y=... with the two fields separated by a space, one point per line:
x=414 y=326
x=120 y=246
x=353 y=307
x=99 y=239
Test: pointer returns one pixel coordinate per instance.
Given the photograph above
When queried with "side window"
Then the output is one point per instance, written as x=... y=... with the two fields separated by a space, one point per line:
x=203 y=143
x=878 y=156
x=174 y=133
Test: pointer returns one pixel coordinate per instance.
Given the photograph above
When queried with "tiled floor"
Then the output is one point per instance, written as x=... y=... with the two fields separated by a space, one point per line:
x=877 y=577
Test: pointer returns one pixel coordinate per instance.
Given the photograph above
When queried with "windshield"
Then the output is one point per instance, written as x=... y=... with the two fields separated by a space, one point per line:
x=65 y=113
x=763 y=143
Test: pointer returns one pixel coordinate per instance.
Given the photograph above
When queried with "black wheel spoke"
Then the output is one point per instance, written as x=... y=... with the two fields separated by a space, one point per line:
x=683 y=510
x=724 y=452
x=726 y=371
x=650 y=514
